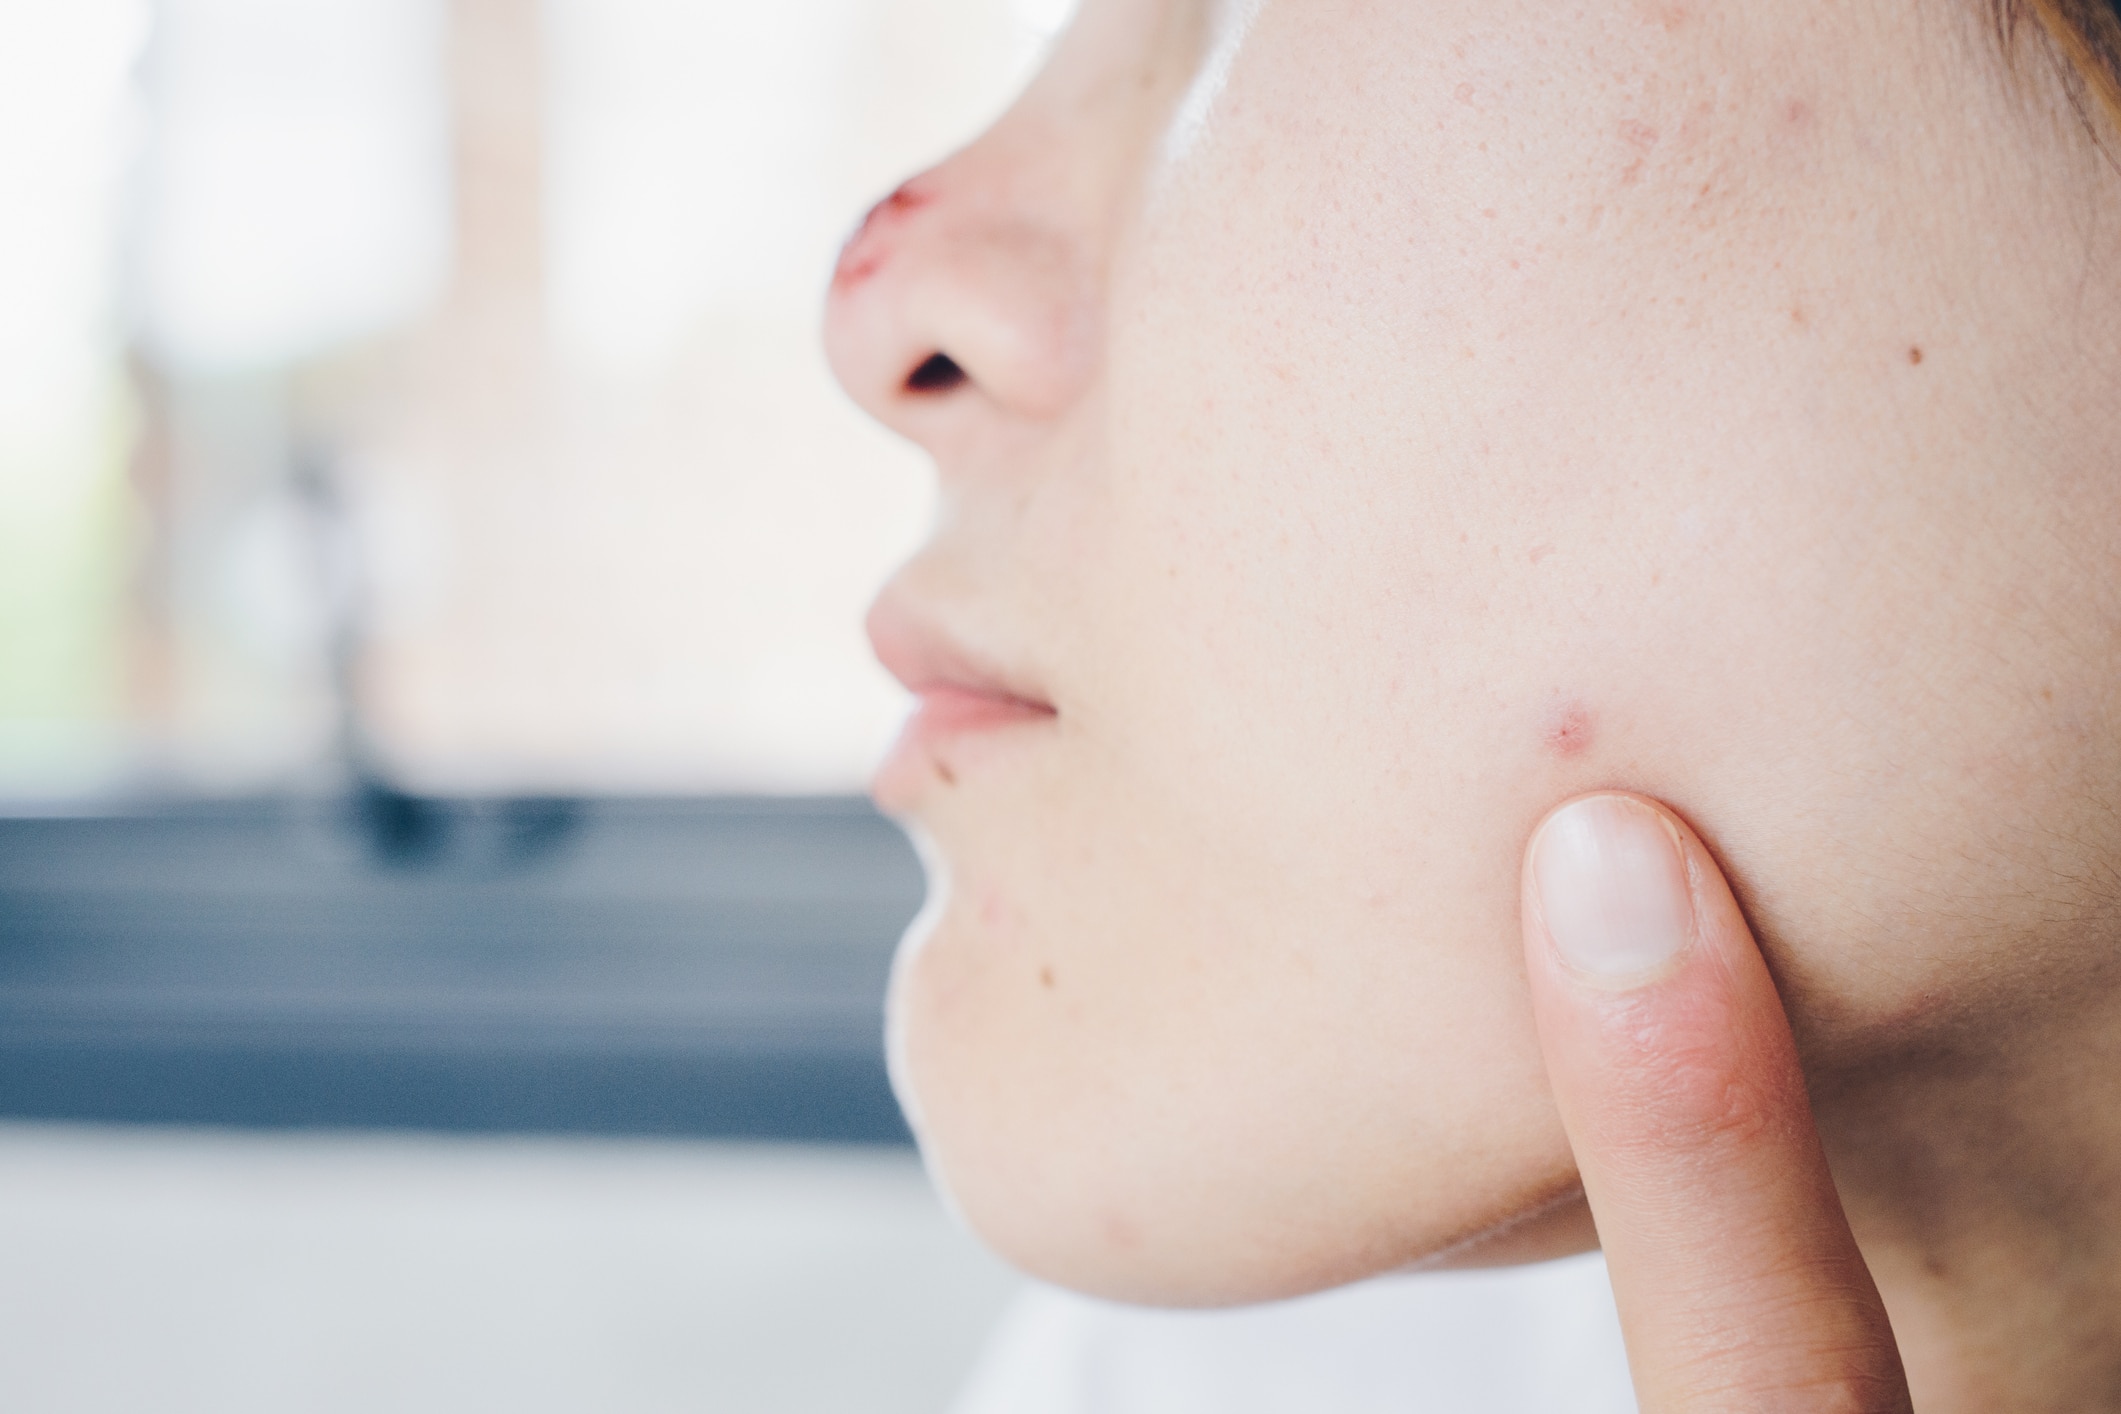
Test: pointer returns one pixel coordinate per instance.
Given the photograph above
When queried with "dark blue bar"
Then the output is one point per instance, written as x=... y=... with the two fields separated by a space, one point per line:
x=702 y=967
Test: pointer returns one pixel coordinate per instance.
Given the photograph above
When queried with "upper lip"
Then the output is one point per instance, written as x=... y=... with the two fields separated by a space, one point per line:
x=925 y=657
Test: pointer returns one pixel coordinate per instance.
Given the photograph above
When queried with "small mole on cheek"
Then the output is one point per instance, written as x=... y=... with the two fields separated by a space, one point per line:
x=1045 y=978
x=1914 y=355
x=1567 y=731
x=944 y=774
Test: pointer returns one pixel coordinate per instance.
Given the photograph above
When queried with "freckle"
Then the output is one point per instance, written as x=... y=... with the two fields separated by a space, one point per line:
x=1914 y=355
x=1488 y=212
x=1568 y=730
x=1540 y=552
x=1463 y=93
x=2047 y=694
x=1799 y=318
x=945 y=774
x=1045 y=977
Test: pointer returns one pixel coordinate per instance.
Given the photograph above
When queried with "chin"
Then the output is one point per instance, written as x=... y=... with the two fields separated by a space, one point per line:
x=1110 y=1116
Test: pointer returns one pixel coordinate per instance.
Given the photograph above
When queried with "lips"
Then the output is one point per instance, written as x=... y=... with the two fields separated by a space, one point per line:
x=962 y=699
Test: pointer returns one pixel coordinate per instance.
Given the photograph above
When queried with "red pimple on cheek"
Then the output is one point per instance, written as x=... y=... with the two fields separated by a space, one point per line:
x=1567 y=731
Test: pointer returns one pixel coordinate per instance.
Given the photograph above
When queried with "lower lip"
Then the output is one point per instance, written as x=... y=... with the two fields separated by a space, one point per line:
x=949 y=716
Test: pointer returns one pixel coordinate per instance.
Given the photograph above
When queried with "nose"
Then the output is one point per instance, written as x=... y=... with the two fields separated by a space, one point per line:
x=959 y=299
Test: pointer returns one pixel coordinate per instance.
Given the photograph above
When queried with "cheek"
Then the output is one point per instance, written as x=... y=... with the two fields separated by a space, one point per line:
x=1226 y=1001
x=1156 y=1055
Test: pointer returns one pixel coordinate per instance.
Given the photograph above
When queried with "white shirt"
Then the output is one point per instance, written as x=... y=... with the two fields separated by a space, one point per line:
x=1537 y=1339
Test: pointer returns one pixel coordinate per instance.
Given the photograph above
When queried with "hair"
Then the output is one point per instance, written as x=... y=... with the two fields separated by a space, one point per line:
x=2087 y=35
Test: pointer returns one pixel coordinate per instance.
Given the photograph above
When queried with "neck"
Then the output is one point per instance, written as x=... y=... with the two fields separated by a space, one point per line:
x=1985 y=1189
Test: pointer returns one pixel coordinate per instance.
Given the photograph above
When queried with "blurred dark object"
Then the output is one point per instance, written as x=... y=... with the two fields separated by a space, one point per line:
x=414 y=831
x=706 y=967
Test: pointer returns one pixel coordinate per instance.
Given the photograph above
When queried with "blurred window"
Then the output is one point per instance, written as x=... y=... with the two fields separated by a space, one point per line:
x=429 y=388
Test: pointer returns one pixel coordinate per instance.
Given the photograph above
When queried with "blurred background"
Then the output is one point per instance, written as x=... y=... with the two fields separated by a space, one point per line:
x=441 y=937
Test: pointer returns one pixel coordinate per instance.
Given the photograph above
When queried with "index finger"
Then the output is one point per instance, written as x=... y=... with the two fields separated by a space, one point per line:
x=1738 y=1282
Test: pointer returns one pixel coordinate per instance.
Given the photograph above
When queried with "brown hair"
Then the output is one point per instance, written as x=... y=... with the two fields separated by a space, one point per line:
x=2088 y=35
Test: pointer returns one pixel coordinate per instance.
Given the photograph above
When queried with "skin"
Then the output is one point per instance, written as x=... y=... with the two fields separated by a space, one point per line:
x=1484 y=403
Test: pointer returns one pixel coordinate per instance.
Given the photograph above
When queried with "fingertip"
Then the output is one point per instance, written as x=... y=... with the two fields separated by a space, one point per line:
x=1609 y=889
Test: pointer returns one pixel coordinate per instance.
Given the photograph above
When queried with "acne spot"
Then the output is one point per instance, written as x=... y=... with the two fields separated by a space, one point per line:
x=1121 y=1232
x=1567 y=732
x=1464 y=94
x=1045 y=978
x=863 y=255
x=1797 y=113
x=944 y=774
x=1799 y=318
x=855 y=268
x=1914 y=355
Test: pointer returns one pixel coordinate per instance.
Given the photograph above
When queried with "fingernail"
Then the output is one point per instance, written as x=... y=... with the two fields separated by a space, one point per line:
x=1612 y=887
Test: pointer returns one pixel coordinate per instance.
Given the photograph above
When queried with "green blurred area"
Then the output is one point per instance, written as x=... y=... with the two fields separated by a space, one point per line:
x=70 y=530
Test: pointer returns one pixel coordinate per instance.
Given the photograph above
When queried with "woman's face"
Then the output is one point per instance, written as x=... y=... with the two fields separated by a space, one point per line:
x=1374 y=422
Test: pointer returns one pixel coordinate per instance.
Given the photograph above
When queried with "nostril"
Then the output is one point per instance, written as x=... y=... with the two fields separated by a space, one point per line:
x=938 y=373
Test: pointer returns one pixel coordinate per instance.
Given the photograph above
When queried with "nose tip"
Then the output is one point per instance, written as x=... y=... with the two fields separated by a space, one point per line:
x=949 y=297
x=863 y=253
